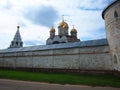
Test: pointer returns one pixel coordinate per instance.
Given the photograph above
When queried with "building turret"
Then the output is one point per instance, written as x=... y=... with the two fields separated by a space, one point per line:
x=111 y=15
x=52 y=32
x=63 y=28
x=74 y=32
x=17 y=41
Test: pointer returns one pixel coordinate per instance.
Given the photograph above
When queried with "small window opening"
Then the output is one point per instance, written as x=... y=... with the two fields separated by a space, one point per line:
x=115 y=59
x=115 y=14
x=16 y=43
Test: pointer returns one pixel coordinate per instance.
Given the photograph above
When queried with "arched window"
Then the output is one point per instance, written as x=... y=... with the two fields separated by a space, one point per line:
x=115 y=14
x=17 y=43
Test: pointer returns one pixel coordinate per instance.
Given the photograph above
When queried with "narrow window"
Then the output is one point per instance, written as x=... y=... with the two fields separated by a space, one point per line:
x=115 y=14
x=17 y=43
x=115 y=59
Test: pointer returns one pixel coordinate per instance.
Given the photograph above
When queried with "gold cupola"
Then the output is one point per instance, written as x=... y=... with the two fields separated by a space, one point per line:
x=52 y=29
x=63 y=24
x=73 y=30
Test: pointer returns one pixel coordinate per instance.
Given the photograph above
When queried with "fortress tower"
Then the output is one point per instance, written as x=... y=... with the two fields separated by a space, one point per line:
x=111 y=15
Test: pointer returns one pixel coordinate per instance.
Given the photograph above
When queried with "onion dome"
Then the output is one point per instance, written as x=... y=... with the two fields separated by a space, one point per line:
x=73 y=30
x=63 y=24
x=52 y=29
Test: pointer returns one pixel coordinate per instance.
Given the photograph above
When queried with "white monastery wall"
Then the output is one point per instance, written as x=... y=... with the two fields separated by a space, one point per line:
x=83 y=58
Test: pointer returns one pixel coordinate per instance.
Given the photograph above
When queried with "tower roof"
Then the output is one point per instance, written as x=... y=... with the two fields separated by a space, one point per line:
x=17 y=36
x=109 y=6
x=16 y=42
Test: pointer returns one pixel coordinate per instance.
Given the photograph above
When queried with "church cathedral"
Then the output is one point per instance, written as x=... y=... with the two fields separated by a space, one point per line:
x=63 y=36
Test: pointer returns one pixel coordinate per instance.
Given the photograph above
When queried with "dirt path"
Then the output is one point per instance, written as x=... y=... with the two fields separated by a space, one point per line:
x=25 y=85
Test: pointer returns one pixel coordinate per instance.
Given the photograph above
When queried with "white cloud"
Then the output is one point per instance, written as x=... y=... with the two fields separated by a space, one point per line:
x=84 y=14
x=42 y=15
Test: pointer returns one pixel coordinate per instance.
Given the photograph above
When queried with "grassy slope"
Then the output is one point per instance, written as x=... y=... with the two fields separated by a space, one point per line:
x=93 y=80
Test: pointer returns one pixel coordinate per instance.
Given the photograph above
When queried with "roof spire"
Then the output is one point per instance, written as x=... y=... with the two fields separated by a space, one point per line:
x=16 y=42
x=63 y=18
x=73 y=26
x=52 y=25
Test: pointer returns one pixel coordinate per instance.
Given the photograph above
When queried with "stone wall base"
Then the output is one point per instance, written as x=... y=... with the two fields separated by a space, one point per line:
x=57 y=70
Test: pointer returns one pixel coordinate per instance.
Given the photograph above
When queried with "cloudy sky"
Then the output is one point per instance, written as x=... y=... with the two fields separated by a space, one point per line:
x=35 y=18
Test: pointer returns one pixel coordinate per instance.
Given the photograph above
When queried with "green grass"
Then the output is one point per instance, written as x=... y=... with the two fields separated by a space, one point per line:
x=92 y=80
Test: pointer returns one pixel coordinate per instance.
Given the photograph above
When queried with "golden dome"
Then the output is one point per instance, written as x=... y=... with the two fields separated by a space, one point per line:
x=52 y=29
x=73 y=30
x=63 y=24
